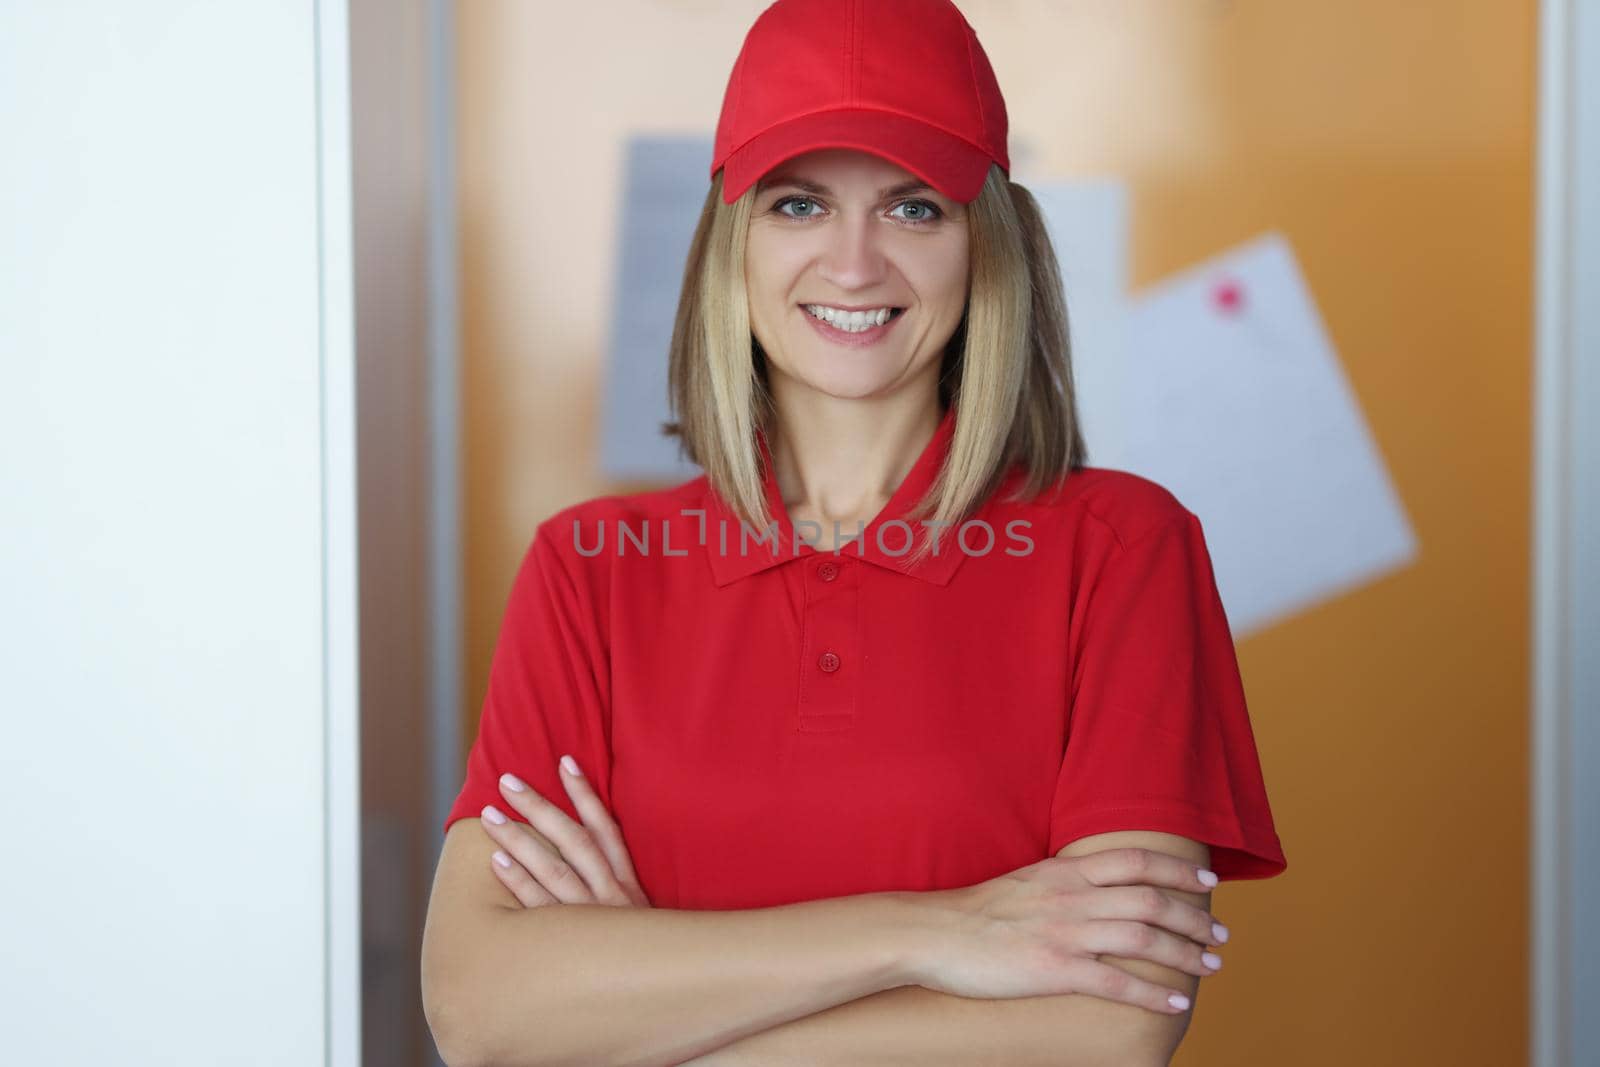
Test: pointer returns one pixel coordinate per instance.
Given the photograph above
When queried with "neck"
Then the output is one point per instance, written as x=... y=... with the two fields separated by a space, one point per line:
x=841 y=461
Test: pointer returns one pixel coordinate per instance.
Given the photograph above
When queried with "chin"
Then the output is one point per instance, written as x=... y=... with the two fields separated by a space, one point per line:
x=844 y=383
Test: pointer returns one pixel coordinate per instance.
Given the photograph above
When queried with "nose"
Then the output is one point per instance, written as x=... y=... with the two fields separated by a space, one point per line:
x=853 y=257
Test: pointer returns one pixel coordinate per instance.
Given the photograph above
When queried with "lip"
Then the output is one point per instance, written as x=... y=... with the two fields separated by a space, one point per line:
x=851 y=340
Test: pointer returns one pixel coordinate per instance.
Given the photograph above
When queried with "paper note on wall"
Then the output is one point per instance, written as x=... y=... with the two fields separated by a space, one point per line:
x=664 y=187
x=1088 y=225
x=1237 y=403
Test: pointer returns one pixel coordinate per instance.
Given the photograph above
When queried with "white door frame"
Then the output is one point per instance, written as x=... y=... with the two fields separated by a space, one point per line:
x=341 y=683
x=1565 y=779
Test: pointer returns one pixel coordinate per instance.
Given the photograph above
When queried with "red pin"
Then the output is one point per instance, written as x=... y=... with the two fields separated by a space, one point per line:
x=1228 y=296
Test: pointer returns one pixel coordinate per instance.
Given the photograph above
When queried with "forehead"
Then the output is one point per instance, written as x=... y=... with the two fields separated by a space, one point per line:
x=824 y=170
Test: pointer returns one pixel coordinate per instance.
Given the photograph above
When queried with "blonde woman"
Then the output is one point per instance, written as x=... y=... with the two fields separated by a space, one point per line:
x=901 y=734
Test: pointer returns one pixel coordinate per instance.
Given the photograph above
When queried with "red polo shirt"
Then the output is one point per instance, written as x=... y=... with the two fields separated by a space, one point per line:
x=778 y=726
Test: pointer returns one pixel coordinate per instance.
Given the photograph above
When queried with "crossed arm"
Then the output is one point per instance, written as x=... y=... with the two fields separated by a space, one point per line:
x=912 y=1025
x=489 y=970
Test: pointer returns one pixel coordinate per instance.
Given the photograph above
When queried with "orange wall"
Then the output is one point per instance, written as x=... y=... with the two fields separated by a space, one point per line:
x=1392 y=144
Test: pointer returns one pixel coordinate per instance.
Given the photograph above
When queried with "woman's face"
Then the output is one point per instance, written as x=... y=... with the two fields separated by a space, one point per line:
x=843 y=228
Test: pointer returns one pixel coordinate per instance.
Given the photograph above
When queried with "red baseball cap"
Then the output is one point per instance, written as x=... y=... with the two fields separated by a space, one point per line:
x=906 y=80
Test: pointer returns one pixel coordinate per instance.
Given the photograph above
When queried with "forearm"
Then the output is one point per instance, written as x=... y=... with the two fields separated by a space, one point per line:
x=594 y=985
x=910 y=1026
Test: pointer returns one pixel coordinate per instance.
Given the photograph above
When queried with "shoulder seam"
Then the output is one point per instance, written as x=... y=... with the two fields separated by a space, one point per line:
x=1122 y=546
x=1103 y=521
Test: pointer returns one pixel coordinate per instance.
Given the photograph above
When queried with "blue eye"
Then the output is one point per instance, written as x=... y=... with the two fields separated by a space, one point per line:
x=792 y=200
x=928 y=211
x=925 y=207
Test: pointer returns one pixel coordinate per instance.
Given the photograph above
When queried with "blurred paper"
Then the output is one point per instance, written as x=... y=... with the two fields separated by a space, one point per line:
x=1088 y=225
x=663 y=191
x=1237 y=403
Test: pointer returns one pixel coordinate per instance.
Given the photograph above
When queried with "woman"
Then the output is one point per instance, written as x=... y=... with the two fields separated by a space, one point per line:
x=888 y=729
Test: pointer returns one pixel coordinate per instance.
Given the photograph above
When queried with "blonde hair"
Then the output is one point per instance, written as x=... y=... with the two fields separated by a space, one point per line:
x=1007 y=368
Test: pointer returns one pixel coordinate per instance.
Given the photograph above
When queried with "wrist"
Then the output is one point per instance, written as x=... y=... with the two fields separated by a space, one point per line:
x=925 y=924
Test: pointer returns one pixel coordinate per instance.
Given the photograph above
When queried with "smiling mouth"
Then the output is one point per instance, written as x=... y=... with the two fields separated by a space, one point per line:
x=866 y=335
x=849 y=328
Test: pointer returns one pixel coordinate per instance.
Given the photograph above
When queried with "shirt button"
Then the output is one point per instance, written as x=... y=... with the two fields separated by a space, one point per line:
x=828 y=571
x=829 y=662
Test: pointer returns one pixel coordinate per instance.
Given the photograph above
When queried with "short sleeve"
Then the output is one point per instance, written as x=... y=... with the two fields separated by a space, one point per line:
x=1158 y=735
x=548 y=690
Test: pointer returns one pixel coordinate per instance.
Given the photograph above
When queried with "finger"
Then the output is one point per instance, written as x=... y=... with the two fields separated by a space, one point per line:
x=551 y=869
x=1136 y=866
x=515 y=877
x=1148 y=904
x=1137 y=940
x=1110 y=983
x=579 y=846
x=515 y=840
x=598 y=818
x=1143 y=866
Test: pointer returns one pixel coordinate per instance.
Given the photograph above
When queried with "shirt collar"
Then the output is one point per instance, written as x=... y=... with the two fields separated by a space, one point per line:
x=730 y=565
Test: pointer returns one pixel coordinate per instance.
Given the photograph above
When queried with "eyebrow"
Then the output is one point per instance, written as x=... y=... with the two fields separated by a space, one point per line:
x=914 y=186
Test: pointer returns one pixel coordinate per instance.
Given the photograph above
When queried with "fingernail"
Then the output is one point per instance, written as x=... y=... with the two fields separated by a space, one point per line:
x=1179 y=1001
x=502 y=859
x=1219 y=931
x=492 y=813
x=1212 y=960
x=571 y=765
x=1207 y=878
x=512 y=782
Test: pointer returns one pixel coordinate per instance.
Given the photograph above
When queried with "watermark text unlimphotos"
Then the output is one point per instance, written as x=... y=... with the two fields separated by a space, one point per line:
x=895 y=538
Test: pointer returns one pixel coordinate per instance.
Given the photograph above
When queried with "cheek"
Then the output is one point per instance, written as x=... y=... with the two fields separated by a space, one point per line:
x=771 y=274
x=756 y=288
x=951 y=294
x=759 y=265
x=960 y=273
x=942 y=274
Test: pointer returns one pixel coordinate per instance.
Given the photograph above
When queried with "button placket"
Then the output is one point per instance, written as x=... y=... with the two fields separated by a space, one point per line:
x=828 y=687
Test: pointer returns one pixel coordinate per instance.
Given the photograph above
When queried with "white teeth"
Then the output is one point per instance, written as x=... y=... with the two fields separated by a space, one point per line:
x=850 y=321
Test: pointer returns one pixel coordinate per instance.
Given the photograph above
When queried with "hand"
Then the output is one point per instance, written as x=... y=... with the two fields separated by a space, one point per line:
x=589 y=864
x=1041 y=929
